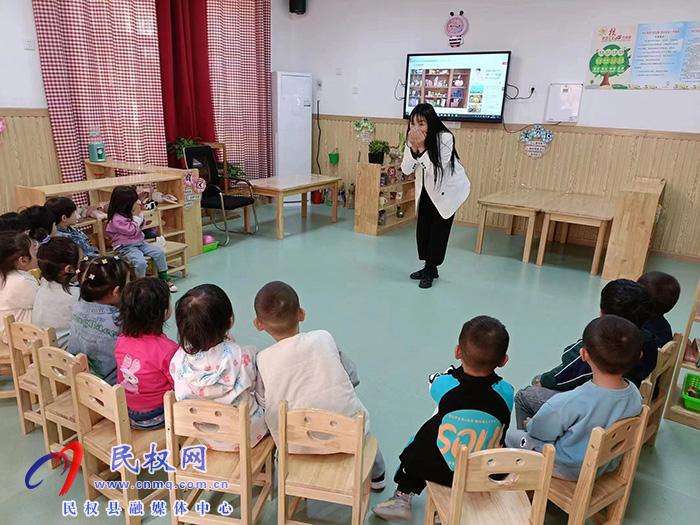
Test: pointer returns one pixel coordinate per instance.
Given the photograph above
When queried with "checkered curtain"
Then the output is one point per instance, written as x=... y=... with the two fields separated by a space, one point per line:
x=100 y=66
x=239 y=65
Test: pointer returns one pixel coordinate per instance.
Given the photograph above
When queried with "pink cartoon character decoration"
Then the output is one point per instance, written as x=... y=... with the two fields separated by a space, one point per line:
x=128 y=370
x=456 y=27
x=3 y=127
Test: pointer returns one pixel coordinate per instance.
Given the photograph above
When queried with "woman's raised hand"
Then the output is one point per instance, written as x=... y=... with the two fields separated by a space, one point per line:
x=417 y=139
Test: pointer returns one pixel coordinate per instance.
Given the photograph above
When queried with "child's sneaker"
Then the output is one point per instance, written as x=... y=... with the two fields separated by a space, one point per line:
x=171 y=286
x=378 y=483
x=397 y=508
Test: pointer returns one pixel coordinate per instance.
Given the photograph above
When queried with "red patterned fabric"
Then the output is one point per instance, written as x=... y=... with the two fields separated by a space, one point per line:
x=239 y=63
x=100 y=66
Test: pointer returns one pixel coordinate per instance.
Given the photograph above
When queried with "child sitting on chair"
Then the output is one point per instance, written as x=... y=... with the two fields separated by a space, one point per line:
x=59 y=260
x=41 y=222
x=14 y=222
x=66 y=214
x=209 y=364
x=621 y=297
x=611 y=346
x=143 y=352
x=94 y=329
x=18 y=287
x=124 y=228
x=305 y=369
x=665 y=291
x=474 y=407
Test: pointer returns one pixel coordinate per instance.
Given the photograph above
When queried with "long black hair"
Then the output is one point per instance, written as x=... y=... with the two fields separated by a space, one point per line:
x=432 y=140
x=122 y=202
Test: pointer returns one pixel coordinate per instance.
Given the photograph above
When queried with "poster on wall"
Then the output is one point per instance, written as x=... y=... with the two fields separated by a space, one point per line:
x=645 y=56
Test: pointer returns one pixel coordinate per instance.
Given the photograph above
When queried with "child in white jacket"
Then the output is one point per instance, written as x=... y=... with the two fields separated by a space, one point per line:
x=209 y=364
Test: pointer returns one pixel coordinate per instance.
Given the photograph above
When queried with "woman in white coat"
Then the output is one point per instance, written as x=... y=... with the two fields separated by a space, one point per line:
x=441 y=187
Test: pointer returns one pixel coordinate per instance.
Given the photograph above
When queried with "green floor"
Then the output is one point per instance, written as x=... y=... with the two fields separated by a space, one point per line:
x=357 y=287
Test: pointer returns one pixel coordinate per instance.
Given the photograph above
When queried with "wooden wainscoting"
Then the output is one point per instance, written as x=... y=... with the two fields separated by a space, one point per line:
x=27 y=153
x=595 y=161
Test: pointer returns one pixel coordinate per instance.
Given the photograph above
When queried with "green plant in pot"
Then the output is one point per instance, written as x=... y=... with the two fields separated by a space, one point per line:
x=377 y=149
x=178 y=146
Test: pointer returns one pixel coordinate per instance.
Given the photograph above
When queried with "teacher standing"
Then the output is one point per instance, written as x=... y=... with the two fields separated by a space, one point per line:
x=441 y=187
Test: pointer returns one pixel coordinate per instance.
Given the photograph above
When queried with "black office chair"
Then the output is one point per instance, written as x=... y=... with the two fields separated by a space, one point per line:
x=202 y=158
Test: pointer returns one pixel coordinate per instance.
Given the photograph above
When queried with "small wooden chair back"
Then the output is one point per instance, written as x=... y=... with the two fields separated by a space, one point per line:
x=20 y=336
x=320 y=431
x=662 y=375
x=94 y=399
x=53 y=364
x=624 y=438
x=153 y=220
x=484 y=471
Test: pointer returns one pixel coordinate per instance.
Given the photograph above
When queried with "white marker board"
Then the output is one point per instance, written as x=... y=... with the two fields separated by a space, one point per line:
x=563 y=102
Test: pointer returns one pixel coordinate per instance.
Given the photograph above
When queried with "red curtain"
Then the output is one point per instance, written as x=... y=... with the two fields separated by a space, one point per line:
x=184 y=69
x=239 y=65
x=99 y=63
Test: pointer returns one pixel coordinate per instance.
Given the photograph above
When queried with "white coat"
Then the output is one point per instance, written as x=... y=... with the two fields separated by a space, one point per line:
x=454 y=190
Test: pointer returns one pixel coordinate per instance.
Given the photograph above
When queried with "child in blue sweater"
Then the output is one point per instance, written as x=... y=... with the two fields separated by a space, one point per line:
x=611 y=346
x=623 y=298
x=95 y=328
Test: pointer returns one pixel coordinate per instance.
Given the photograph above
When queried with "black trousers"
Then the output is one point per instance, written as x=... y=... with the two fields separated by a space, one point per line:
x=408 y=483
x=432 y=232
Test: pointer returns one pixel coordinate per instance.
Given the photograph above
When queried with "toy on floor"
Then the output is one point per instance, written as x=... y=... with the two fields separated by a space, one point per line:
x=350 y=201
x=209 y=244
x=341 y=195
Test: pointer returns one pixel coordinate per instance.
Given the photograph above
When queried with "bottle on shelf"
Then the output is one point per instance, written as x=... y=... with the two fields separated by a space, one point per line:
x=96 y=146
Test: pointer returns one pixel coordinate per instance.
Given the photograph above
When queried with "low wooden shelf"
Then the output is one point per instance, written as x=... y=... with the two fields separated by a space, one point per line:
x=183 y=225
x=675 y=409
x=367 y=206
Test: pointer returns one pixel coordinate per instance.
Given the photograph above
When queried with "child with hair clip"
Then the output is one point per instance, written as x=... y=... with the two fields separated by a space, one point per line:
x=144 y=352
x=59 y=259
x=209 y=364
x=94 y=329
x=124 y=228
x=18 y=287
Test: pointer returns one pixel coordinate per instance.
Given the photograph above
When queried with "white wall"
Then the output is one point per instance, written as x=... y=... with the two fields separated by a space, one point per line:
x=20 y=73
x=550 y=39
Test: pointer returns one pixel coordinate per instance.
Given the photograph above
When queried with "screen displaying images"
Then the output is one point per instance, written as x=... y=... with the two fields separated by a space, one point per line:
x=461 y=86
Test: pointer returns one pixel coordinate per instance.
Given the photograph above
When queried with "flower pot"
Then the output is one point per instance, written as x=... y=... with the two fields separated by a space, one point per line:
x=376 y=158
x=333 y=157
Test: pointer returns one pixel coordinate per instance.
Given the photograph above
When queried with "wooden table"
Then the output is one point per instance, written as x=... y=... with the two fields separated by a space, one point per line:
x=521 y=202
x=281 y=187
x=574 y=208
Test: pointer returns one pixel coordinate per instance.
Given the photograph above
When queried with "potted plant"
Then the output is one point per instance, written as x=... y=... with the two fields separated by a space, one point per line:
x=377 y=149
x=177 y=148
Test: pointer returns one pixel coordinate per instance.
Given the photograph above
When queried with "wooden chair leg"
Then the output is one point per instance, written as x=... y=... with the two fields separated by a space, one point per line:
x=175 y=494
x=130 y=494
x=270 y=474
x=482 y=227
x=51 y=435
x=24 y=404
x=430 y=510
x=89 y=466
x=246 y=219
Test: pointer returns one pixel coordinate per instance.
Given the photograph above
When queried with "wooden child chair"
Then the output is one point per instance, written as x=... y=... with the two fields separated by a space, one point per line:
x=175 y=252
x=185 y=422
x=55 y=396
x=6 y=370
x=20 y=337
x=103 y=422
x=661 y=378
x=339 y=469
x=585 y=498
x=493 y=501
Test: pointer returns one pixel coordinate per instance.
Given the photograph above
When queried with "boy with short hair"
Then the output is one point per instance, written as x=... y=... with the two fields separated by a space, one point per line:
x=665 y=291
x=611 y=346
x=305 y=369
x=65 y=212
x=474 y=407
x=623 y=298
x=14 y=222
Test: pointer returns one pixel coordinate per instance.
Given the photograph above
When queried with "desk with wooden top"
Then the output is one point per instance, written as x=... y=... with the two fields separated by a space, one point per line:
x=520 y=202
x=575 y=208
x=281 y=187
